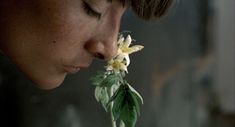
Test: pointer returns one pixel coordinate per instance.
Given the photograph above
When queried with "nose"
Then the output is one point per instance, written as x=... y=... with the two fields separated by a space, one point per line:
x=101 y=49
x=103 y=44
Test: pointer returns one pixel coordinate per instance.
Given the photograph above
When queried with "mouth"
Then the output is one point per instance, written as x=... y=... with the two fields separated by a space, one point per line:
x=71 y=69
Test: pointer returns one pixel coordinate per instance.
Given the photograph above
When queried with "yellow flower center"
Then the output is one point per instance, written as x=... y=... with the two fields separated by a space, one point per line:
x=116 y=65
x=125 y=49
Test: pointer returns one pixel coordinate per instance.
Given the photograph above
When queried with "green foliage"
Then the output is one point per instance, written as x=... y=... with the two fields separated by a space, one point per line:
x=128 y=114
x=102 y=96
x=105 y=80
x=96 y=80
x=110 y=80
x=118 y=103
x=124 y=103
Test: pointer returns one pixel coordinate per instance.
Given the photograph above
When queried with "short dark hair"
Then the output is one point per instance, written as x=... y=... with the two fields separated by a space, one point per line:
x=148 y=9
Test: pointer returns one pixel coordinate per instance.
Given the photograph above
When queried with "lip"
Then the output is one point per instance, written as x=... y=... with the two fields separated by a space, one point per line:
x=72 y=69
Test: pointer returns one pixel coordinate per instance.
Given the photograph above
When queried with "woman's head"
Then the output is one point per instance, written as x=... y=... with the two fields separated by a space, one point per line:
x=47 y=39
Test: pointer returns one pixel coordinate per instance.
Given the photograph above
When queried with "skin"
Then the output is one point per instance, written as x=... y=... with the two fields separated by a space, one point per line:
x=48 y=39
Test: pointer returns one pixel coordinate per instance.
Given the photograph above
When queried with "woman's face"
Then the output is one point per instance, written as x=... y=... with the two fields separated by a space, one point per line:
x=48 y=39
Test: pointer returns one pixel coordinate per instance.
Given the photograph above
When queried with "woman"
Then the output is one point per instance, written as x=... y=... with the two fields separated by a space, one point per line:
x=48 y=39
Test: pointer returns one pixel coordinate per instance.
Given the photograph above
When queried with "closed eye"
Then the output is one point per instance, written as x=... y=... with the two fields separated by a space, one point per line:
x=90 y=11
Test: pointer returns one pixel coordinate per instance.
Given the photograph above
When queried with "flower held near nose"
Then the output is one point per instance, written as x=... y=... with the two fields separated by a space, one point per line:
x=115 y=94
x=121 y=61
x=124 y=48
x=116 y=65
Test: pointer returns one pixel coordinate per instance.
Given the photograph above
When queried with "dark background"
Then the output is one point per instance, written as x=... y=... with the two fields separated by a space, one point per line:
x=174 y=73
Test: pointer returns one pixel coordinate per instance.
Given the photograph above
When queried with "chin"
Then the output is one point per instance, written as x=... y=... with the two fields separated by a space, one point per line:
x=47 y=83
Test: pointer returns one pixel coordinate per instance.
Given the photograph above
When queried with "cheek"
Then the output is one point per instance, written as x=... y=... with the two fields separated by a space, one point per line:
x=46 y=37
x=58 y=17
x=61 y=29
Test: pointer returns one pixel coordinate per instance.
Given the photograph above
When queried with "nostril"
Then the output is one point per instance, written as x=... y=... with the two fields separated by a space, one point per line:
x=100 y=56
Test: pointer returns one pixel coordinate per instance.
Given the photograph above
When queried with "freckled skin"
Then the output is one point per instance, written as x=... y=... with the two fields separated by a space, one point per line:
x=42 y=36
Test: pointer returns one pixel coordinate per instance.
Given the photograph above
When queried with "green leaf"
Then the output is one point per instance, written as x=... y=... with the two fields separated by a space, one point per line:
x=98 y=93
x=114 y=95
x=121 y=124
x=118 y=104
x=128 y=114
x=136 y=98
x=110 y=80
x=105 y=99
x=101 y=95
x=125 y=106
x=97 y=80
x=136 y=101
x=136 y=93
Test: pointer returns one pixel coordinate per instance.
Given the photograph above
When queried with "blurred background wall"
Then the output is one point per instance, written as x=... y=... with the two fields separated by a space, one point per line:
x=186 y=75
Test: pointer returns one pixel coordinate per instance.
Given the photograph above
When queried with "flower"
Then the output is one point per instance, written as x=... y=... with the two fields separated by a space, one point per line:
x=121 y=61
x=116 y=65
x=111 y=86
x=124 y=48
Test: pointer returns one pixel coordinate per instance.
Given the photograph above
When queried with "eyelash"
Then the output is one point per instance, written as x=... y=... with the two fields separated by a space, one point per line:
x=91 y=11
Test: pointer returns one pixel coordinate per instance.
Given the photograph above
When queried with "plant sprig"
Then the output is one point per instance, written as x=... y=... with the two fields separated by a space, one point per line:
x=115 y=94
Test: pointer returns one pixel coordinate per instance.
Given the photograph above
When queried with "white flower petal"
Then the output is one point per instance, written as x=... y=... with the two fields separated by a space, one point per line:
x=110 y=62
x=121 y=56
x=135 y=48
x=128 y=41
x=127 y=58
x=120 y=40
x=119 y=52
x=109 y=68
x=123 y=67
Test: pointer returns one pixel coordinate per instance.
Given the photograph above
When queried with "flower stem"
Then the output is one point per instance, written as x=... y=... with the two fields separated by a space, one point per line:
x=111 y=107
